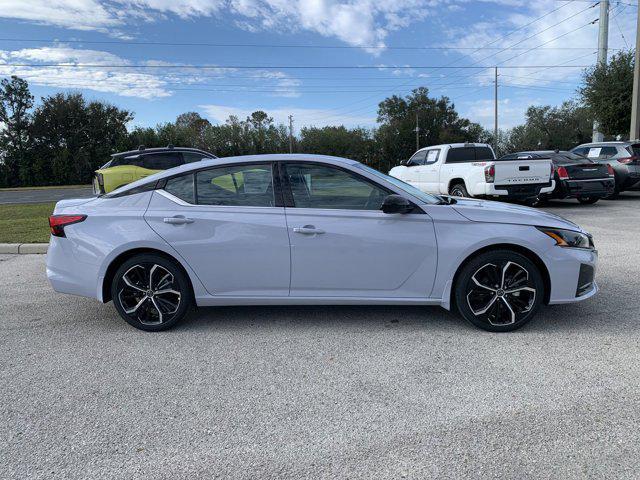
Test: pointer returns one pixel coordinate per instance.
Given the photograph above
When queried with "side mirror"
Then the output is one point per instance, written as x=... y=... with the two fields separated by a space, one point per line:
x=396 y=204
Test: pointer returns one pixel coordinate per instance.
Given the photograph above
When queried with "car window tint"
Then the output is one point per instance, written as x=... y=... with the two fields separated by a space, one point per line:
x=581 y=151
x=634 y=149
x=162 y=161
x=181 y=187
x=461 y=155
x=418 y=157
x=190 y=157
x=238 y=185
x=484 y=153
x=321 y=186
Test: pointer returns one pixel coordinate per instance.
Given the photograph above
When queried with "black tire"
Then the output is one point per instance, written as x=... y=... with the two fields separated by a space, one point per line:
x=137 y=299
x=458 y=190
x=588 y=200
x=495 y=309
x=535 y=202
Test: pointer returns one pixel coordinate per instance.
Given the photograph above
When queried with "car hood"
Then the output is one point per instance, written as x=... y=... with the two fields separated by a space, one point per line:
x=498 y=212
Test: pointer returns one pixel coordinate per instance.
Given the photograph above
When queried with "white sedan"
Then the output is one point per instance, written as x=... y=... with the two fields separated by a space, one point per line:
x=310 y=229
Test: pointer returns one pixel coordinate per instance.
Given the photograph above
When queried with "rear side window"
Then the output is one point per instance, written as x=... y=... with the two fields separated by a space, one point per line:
x=461 y=155
x=190 y=157
x=602 y=152
x=484 y=153
x=162 y=161
x=237 y=185
x=181 y=187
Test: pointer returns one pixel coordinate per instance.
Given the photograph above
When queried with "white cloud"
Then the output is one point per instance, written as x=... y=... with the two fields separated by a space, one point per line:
x=302 y=116
x=76 y=14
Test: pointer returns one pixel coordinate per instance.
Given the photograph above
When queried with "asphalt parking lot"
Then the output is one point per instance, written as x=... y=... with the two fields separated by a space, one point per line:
x=326 y=392
x=35 y=195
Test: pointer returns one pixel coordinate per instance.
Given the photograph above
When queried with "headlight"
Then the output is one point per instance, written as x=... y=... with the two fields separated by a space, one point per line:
x=568 y=238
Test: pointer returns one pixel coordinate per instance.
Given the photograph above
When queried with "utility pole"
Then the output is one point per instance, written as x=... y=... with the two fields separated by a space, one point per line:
x=603 y=44
x=495 y=112
x=634 y=133
x=417 y=130
x=290 y=133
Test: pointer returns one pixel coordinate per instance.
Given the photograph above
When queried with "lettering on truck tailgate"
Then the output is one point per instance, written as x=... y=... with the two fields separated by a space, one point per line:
x=516 y=172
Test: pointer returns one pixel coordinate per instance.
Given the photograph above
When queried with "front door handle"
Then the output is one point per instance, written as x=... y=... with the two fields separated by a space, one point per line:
x=308 y=230
x=178 y=220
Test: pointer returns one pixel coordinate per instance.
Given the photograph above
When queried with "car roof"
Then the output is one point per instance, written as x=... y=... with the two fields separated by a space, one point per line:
x=215 y=162
x=454 y=145
x=131 y=153
x=608 y=144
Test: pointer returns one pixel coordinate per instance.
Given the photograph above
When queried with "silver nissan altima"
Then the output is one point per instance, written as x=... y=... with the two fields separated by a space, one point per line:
x=311 y=230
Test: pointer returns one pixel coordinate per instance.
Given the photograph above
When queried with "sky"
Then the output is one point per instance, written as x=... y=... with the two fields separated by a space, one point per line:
x=323 y=61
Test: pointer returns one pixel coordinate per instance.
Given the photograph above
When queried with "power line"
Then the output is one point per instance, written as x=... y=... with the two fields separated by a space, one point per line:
x=256 y=45
x=262 y=67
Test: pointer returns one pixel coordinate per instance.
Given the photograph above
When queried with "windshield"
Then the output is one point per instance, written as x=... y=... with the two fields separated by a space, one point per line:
x=425 y=197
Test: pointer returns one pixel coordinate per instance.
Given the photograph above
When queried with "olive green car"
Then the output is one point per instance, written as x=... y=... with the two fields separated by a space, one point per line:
x=127 y=167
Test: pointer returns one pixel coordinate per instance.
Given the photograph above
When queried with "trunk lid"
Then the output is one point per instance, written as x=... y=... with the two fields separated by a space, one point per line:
x=586 y=171
x=522 y=172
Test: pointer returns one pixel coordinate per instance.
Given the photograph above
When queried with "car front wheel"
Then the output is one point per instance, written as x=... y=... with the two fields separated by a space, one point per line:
x=151 y=292
x=499 y=291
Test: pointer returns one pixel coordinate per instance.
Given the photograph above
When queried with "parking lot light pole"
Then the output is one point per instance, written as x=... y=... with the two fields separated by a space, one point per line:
x=495 y=113
x=634 y=133
x=603 y=44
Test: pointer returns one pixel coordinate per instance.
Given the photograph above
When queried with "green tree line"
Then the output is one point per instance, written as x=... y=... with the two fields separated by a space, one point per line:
x=65 y=138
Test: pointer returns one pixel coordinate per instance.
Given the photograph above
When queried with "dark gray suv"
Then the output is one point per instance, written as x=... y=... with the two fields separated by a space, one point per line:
x=624 y=158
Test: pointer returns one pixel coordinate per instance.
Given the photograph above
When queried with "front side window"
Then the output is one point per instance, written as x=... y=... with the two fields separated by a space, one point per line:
x=418 y=158
x=327 y=187
x=190 y=157
x=247 y=185
x=432 y=156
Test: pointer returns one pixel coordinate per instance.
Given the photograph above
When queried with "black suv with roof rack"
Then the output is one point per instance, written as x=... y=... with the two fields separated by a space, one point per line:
x=127 y=167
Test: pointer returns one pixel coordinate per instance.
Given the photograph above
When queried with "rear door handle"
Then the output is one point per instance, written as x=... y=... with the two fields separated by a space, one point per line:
x=178 y=220
x=308 y=230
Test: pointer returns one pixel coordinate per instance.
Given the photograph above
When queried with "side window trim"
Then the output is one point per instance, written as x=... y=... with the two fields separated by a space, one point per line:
x=288 y=194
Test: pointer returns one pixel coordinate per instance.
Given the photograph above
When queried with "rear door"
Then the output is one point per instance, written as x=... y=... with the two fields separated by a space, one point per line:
x=343 y=245
x=228 y=223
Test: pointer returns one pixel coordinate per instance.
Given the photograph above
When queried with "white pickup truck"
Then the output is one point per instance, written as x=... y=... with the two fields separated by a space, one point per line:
x=471 y=170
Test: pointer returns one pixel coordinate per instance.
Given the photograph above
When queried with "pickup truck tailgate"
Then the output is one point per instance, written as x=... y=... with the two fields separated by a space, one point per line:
x=522 y=172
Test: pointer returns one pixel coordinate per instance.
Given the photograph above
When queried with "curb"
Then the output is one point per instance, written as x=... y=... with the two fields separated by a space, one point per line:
x=24 y=248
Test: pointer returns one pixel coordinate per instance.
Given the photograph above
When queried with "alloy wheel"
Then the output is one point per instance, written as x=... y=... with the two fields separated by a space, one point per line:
x=501 y=293
x=149 y=294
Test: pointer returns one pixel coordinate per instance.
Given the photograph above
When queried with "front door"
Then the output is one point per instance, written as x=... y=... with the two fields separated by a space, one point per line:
x=228 y=228
x=343 y=245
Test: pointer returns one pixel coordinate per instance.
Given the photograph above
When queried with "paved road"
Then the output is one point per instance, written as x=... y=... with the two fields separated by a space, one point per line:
x=43 y=195
x=325 y=392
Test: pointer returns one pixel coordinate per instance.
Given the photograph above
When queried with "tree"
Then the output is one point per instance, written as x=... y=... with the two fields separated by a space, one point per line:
x=15 y=102
x=607 y=93
x=355 y=143
x=72 y=138
x=438 y=120
x=550 y=128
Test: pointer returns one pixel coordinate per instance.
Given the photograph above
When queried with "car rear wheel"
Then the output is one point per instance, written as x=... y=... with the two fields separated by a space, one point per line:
x=458 y=190
x=499 y=291
x=588 y=200
x=151 y=292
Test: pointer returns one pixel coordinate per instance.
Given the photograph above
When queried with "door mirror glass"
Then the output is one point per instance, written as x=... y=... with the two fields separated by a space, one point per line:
x=396 y=204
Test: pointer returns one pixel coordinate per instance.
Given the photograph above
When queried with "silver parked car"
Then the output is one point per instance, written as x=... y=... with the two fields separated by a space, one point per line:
x=624 y=158
x=307 y=230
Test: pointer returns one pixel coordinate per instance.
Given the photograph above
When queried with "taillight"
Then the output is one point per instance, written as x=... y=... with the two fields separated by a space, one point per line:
x=626 y=160
x=610 y=170
x=58 y=222
x=490 y=173
x=562 y=173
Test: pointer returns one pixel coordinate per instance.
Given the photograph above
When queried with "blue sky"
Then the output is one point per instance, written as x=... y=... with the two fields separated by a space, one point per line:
x=383 y=34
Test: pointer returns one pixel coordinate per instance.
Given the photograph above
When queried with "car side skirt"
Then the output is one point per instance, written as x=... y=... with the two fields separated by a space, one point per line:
x=219 y=300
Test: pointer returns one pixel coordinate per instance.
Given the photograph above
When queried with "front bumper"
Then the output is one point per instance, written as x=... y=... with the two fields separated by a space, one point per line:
x=567 y=268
